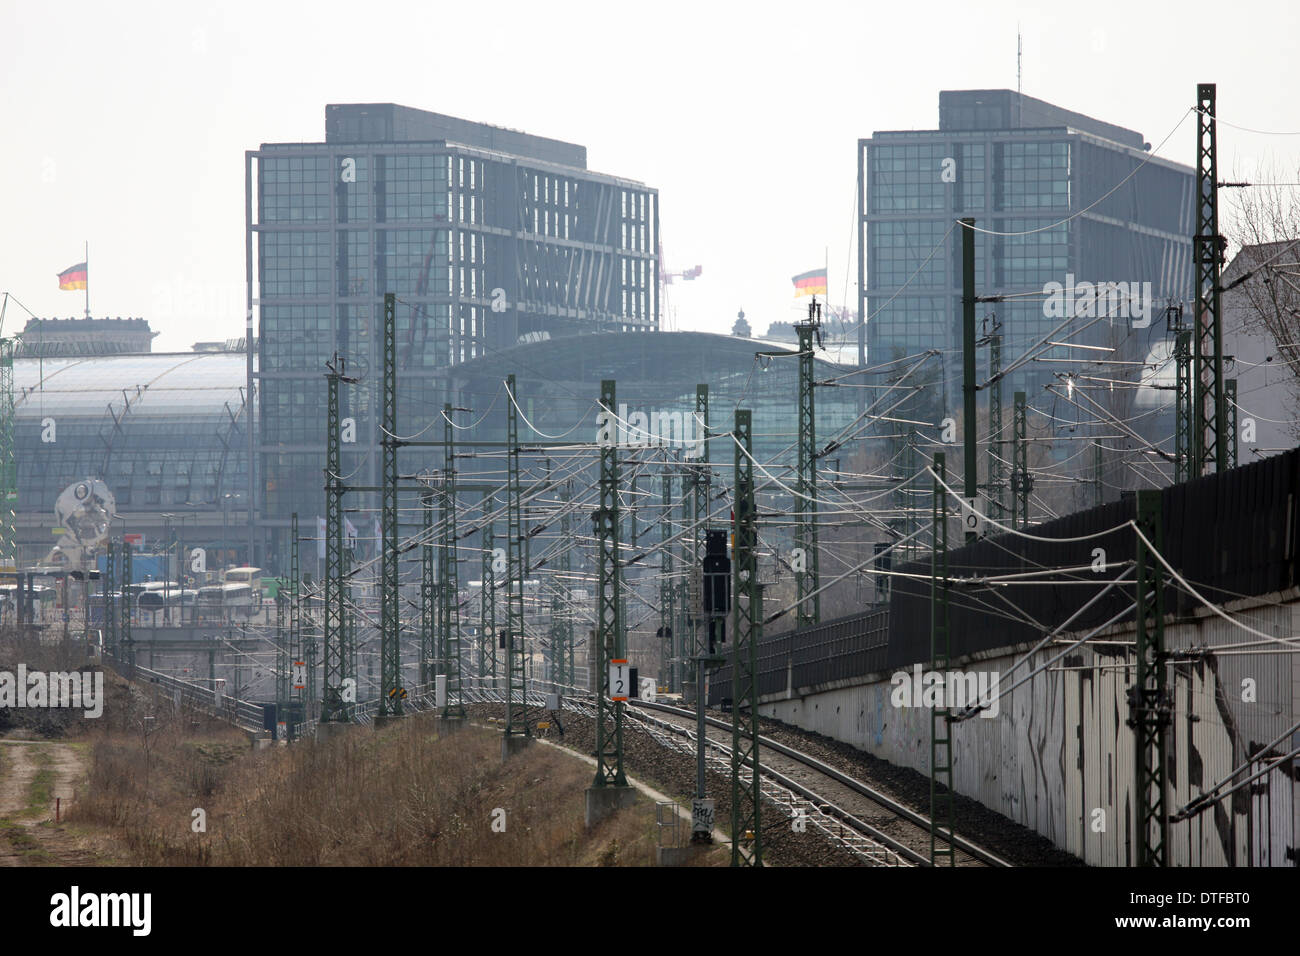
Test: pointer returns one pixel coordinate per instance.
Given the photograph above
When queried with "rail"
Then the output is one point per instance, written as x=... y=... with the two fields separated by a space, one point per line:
x=978 y=852
x=243 y=714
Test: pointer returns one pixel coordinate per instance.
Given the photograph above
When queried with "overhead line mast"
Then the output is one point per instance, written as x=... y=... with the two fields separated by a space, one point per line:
x=429 y=609
x=1209 y=452
x=487 y=661
x=8 y=458
x=390 y=648
x=806 y=573
x=747 y=628
x=516 y=657
x=337 y=652
x=453 y=704
x=610 y=638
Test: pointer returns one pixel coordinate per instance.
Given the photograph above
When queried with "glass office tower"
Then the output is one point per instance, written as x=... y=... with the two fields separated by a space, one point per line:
x=1040 y=179
x=489 y=237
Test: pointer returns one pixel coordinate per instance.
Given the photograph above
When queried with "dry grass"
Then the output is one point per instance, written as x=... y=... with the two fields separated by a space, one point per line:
x=40 y=791
x=399 y=797
x=25 y=648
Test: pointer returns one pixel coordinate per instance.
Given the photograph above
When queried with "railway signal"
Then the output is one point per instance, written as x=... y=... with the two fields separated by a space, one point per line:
x=717 y=587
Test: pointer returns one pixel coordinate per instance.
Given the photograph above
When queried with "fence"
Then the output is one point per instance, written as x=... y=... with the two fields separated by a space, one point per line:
x=1231 y=535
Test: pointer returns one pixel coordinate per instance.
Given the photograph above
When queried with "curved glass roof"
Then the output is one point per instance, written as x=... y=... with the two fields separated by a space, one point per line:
x=625 y=355
x=152 y=385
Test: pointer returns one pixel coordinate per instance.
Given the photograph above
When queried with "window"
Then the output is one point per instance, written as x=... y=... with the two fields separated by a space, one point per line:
x=413 y=262
x=353 y=198
x=353 y=263
x=906 y=178
x=897 y=249
x=415 y=187
x=1031 y=176
x=295 y=188
x=1027 y=261
x=296 y=336
x=294 y=263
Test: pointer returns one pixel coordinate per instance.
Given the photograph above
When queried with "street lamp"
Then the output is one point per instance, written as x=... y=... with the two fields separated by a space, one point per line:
x=167 y=576
x=180 y=550
x=225 y=519
x=122 y=583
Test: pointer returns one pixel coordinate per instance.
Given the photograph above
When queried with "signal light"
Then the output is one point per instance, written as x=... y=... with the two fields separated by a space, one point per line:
x=717 y=574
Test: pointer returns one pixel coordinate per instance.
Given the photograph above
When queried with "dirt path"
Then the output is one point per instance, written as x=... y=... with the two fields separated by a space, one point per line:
x=28 y=834
x=17 y=769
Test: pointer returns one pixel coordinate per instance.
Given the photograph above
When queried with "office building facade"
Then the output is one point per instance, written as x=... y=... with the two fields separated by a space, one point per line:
x=1077 y=218
x=166 y=432
x=487 y=236
x=48 y=338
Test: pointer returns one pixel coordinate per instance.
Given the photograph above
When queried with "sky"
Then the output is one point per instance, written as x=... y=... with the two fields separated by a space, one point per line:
x=124 y=125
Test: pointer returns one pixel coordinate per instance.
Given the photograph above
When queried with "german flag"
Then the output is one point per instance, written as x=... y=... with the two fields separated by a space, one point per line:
x=810 y=283
x=73 y=277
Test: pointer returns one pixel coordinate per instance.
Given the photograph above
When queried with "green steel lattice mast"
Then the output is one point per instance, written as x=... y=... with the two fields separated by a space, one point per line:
x=516 y=656
x=747 y=632
x=1209 y=452
x=610 y=640
x=390 y=648
x=1150 y=704
x=453 y=705
x=805 y=501
x=996 y=471
x=8 y=460
x=561 y=604
x=428 y=603
x=941 y=795
x=297 y=713
x=487 y=661
x=667 y=589
x=1021 y=482
x=336 y=656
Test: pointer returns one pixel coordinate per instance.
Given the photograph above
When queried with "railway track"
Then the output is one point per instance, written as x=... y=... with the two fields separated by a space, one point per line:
x=867 y=824
x=843 y=799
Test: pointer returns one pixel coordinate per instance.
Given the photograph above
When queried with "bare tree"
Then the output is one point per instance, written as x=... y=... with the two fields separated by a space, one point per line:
x=1263 y=227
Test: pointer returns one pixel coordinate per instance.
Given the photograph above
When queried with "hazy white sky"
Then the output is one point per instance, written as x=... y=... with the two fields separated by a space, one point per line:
x=125 y=124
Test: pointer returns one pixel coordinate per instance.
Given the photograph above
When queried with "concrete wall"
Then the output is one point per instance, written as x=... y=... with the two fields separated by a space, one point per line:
x=1059 y=750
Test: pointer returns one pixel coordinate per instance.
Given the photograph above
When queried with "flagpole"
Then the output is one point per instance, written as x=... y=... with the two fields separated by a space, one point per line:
x=87 y=278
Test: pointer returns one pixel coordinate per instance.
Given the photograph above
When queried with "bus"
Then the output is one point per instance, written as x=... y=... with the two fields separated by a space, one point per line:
x=41 y=598
x=224 y=601
x=245 y=575
x=158 y=600
x=144 y=587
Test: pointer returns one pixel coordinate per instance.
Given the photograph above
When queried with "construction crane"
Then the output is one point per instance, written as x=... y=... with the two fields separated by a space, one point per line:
x=666 y=277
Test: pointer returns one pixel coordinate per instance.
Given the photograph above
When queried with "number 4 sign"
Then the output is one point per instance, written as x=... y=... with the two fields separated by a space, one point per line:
x=299 y=675
x=619 y=680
